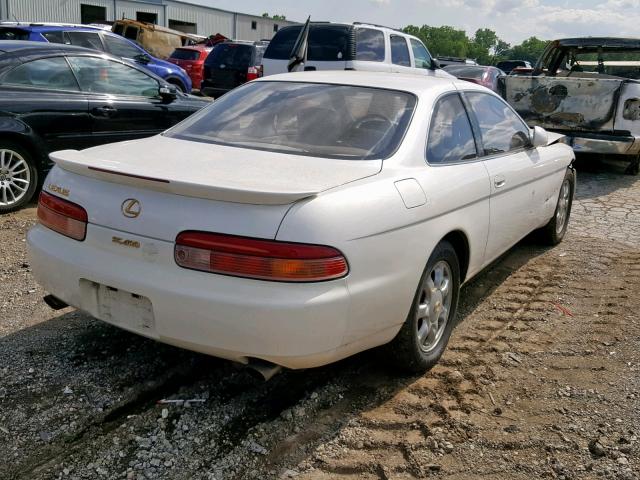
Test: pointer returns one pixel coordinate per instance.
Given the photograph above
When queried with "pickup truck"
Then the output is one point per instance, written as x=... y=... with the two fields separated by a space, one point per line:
x=588 y=89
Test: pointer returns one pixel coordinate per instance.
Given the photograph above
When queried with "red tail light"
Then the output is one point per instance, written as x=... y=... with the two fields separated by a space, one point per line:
x=254 y=72
x=62 y=216
x=259 y=259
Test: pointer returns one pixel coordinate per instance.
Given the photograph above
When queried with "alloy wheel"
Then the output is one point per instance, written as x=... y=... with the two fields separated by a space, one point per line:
x=15 y=177
x=434 y=305
x=563 y=206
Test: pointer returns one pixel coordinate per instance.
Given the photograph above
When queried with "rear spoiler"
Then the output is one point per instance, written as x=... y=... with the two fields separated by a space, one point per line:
x=77 y=162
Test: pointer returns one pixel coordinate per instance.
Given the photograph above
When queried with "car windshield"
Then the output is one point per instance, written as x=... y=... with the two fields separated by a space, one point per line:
x=185 y=54
x=322 y=120
x=231 y=55
x=466 y=71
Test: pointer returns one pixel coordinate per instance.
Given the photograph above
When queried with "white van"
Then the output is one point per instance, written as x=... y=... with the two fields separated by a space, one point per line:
x=356 y=46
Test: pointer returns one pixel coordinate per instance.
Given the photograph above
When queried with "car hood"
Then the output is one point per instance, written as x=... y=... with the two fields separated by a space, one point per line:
x=214 y=172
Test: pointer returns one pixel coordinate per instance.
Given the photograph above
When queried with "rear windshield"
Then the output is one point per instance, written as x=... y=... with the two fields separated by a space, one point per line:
x=185 y=54
x=231 y=55
x=467 y=72
x=320 y=120
x=510 y=65
x=326 y=43
x=13 y=34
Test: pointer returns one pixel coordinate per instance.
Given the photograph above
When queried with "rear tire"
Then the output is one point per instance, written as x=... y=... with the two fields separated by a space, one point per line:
x=554 y=231
x=18 y=176
x=426 y=331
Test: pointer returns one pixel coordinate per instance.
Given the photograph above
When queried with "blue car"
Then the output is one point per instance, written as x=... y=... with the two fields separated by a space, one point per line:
x=97 y=38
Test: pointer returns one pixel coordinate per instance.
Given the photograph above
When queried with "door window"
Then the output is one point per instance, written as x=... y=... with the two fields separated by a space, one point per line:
x=400 y=51
x=502 y=129
x=450 y=135
x=120 y=47
x=99 y=75
x=420 y=54
x=54 y=37
x=369 y=45
x=49 y=73
x=84 y=39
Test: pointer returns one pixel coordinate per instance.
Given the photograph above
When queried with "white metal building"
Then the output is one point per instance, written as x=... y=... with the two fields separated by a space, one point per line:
x=177 y=14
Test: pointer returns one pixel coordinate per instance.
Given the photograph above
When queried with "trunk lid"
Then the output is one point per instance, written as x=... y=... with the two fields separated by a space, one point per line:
x=183 y=185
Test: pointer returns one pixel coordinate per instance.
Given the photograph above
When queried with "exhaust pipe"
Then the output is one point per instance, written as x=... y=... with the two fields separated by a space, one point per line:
x=267 y=370
x=54 y=302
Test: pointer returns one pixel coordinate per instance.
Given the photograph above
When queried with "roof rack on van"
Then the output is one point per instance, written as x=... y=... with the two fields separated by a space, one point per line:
x=376 y=25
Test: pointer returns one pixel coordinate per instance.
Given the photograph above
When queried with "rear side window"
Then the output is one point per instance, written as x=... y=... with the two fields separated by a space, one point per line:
x=13 y=34
x=49 y=73
x=99 y=75
x=84 y=39
x=326 y=43
x=420 y=54
x=400 y=51
x=185 y=54
x=282 y=43
x=231 y=55
x=369 y=45
x=450 y=135
x=120 y=47
x=502 y=130
x=54 y=37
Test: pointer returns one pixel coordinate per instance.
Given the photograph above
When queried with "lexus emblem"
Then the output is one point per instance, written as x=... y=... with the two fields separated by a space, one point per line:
x=131 y=208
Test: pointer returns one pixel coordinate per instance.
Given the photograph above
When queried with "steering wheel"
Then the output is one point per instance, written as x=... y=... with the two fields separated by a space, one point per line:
x=373 y=118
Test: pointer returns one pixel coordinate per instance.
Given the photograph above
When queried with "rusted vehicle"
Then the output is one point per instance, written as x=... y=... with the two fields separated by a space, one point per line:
x=587 y=89
x=160 y=41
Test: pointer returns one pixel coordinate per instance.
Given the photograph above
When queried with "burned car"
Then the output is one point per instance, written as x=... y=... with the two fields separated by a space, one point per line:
x=587 y=89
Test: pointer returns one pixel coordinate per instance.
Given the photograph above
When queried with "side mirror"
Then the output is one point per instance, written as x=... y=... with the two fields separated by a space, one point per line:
x=539 y=137
x=168 y=93
x=435 y=64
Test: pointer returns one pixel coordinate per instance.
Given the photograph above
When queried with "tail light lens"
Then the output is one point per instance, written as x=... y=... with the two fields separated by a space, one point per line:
x=259 y=259
x=254 y=72
x=62 y=216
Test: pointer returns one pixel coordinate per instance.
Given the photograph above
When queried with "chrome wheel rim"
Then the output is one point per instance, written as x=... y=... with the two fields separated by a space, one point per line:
x=434 y=305
x=563 y=206
x=15 y=177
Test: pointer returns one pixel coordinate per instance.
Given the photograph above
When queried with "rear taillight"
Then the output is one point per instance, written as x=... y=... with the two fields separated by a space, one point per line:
x=62 y=216
x=259 y=259
x=254 y=72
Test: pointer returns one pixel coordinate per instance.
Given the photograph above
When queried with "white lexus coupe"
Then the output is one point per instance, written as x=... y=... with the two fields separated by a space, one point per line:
x=302 y=217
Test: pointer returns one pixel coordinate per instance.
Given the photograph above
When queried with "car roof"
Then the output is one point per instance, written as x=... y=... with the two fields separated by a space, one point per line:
x=14 y=45
x=35 y=27
x=394 y=81
x=606 y=42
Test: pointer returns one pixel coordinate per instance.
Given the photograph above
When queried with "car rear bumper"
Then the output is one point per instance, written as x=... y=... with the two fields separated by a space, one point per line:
x=213 y=91
x=293 y=325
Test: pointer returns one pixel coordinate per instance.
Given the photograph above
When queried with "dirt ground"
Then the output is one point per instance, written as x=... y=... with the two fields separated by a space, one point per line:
x=540 y=380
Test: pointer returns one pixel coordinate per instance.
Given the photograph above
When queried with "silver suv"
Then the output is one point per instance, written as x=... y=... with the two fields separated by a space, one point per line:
x=356 y=46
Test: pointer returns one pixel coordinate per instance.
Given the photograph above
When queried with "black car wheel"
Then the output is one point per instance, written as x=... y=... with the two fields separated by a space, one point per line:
x=18 y=176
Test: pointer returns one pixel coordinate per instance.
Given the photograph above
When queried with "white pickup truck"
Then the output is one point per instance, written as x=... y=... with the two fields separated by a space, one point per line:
x=587 y=89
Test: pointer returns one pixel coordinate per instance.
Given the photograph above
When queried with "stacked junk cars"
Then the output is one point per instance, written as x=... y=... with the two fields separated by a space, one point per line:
x=334 y=196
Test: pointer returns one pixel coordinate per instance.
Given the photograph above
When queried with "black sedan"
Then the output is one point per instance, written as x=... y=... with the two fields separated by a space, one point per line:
x=54 y=97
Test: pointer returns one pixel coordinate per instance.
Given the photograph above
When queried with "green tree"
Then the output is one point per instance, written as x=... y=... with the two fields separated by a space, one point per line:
x=529 y=50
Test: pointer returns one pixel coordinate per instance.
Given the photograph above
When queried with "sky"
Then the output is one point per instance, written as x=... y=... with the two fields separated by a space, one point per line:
x=513 y=20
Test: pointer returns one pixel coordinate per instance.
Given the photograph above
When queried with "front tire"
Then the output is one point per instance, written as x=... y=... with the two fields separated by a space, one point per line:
x=426 y=331
x=554 y=231
x=18 y=176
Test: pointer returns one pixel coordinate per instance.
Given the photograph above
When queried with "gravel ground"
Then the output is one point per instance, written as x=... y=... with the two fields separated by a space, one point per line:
x=540 y=380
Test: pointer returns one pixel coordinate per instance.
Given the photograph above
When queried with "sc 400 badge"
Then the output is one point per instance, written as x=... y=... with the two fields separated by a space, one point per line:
x=125 y=242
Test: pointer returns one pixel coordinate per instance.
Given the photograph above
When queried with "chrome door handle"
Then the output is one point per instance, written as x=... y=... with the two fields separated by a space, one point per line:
x=499 y=181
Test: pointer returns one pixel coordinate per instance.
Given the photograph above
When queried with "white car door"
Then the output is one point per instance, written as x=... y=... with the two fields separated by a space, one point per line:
x=457 y=182
x=422 y=61
x=371 y=51
x=518 y=174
